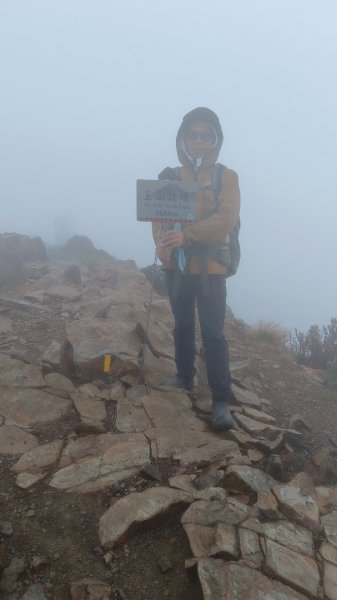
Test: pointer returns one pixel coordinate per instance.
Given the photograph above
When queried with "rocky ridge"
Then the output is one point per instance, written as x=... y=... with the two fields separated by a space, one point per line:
x=93 y=448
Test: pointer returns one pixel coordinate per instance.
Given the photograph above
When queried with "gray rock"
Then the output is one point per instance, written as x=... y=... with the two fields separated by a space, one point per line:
x=298 y=570
x=14 y=440
x=39 y=457
x=189 y=446
x=244 y=396
x=330 y=581
x=15 y=373
x=137 y=508
x=98 y=461
x=90 y=409
x=248 y=479
x=27 y=407
x=329 y=524
x=219 y=539
x=297 y=500
x=230 y=581
x=251 y=552
x=58 y=381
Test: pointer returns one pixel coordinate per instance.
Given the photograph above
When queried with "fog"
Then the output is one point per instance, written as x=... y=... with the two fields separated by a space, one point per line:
x=92 y=95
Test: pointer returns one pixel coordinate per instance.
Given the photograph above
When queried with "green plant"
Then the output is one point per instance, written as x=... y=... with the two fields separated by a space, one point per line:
x=318 y=347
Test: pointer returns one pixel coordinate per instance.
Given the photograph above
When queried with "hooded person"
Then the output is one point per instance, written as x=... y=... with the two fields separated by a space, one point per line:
x=193 y=263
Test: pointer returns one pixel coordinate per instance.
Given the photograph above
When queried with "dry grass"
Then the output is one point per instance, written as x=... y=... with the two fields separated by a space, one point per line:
x=268 y=332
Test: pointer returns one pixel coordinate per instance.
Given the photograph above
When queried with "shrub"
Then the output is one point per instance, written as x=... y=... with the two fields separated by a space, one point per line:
x=268 y=332
x=318 y=347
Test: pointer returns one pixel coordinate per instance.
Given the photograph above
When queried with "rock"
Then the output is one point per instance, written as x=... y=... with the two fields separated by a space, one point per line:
x=15 y=373
x=250 y=425
x=91 y=390
x=229 y=511
x=297 y=500
x=34 y=592
x=89 y=409
x=291 y=567
x=165 y=564
x=91 y=339
x=189 y=446
x=164 y=411
x=27 y=407
x=152 y=471
x=230 y=581
x=299 y=423
x=267 y=505
x=258 y=415
x=330 y=581
x=255 y=455
x=329 y=524
x=211 y=541
x=11 y=267
x=186 y=483
x=137 y=508
x=63 y=292
x=250 y=548
x=288 y=534
x=6 y=528
x=245 y=397
x=248 y=479
x=59 y=382
x=10 y=575
x=270 y=447
x=326 y=498
x=52 y=358
x=100 y=461
x=240 y=437
x=87 y=427
x=131 y=416
x=117 y=392
x=14 y=440
x=90 y=589
x=72 y=275
x=328 y=552
x=208 y=478
x=26 y=480
x=39 y=457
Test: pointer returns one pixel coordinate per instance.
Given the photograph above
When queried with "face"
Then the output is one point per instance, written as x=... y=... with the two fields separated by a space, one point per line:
x=199 y=139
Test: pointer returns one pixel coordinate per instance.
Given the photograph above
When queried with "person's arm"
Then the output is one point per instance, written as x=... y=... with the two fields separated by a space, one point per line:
x=213 y=229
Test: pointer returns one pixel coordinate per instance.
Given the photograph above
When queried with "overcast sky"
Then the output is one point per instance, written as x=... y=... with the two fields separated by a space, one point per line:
x=92 y=95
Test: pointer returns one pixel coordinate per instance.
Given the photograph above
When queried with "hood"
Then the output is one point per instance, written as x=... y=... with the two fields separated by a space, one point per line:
x=199 y=114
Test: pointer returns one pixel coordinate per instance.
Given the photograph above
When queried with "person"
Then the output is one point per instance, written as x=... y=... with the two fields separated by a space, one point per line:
x=186 y=254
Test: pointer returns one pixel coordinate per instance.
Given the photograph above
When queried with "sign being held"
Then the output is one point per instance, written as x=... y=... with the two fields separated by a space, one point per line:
x=165 y=200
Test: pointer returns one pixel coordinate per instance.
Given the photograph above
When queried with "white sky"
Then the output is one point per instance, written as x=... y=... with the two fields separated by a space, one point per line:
x=92 y=95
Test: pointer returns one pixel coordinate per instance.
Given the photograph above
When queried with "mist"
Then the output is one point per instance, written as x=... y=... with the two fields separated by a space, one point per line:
x=92 y=95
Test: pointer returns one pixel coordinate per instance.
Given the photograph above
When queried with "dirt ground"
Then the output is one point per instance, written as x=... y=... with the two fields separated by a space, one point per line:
x=57 y=533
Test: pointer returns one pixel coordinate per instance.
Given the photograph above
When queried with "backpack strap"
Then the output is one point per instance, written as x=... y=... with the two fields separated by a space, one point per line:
x=218 y=172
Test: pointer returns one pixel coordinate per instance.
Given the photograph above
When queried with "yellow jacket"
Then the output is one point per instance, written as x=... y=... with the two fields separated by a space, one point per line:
x=215 y=218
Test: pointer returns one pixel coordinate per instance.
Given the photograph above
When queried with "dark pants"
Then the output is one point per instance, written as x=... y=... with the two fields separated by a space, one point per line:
x=211 y=311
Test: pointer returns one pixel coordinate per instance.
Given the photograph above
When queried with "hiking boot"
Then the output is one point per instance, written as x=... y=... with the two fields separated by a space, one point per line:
x=221 y=417
x=179 y=383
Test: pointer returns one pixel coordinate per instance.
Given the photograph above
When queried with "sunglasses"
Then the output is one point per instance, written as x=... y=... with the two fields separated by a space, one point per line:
x=205 y=136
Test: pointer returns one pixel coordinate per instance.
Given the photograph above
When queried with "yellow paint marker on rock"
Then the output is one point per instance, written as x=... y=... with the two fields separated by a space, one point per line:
x=107 y=363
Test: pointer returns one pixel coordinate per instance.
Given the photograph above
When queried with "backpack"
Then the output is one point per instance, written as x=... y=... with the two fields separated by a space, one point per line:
x=230 y=253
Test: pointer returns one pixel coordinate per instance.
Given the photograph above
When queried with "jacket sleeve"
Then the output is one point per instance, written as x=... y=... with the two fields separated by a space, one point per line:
x=214 y=228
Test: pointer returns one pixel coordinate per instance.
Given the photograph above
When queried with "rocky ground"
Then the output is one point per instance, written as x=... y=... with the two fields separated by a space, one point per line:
x=112 y=487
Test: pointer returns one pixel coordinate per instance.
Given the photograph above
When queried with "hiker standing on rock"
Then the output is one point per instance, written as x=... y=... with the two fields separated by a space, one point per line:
x=196 y=259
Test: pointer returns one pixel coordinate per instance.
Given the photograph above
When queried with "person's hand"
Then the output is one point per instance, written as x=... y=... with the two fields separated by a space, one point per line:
x=163 y=252
x=168 y=241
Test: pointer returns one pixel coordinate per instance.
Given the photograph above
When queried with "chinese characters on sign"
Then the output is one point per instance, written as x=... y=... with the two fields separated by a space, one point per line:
x=166 y=201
